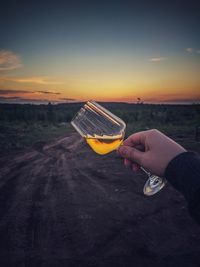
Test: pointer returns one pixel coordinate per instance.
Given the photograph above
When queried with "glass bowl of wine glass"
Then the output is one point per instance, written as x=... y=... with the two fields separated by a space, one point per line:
x=102 y=130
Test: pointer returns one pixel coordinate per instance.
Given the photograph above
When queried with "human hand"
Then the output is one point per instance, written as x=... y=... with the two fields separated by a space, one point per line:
x=150 y=149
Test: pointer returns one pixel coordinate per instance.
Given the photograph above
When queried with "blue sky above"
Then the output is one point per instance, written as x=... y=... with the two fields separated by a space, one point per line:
x=93 y=43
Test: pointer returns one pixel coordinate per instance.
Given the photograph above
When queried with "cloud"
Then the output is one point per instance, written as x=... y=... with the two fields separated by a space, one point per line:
x=9 y=91
x=36 y=80
x=157 y=59
x=68 y=99
x=9 y=60
x=189 y=49
x=192 y=50
x=9 y=98
x=21 y=100
x=48 y=92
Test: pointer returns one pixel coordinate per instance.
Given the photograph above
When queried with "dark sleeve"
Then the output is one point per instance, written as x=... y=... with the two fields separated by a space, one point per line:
x=183 y=172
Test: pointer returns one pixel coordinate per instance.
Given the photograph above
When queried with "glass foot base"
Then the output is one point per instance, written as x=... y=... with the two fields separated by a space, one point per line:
x=153 y=185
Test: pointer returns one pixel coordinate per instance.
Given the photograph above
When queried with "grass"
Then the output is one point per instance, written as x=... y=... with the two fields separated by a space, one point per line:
x=19 y=135
x=23 y=125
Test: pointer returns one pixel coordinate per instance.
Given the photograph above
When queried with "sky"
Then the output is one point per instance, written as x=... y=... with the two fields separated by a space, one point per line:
x=65 y=51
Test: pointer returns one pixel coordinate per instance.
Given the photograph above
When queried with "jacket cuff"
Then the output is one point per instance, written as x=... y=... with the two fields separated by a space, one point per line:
x=183 y=172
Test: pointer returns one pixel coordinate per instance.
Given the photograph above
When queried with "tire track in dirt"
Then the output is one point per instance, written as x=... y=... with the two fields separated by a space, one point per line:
x=63 y=205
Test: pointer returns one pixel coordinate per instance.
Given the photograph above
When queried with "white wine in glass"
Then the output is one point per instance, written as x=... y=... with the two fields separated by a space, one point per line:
x=105 y=143
x=104 y=132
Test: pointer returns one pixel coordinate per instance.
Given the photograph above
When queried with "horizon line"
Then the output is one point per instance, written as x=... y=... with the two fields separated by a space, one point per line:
x=46 y=102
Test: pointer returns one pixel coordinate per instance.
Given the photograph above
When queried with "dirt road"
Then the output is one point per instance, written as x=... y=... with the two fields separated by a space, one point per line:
x=63 y=205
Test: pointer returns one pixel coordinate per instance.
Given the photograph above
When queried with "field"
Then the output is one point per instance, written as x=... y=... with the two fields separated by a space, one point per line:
x=23 y=125
x=64 y=205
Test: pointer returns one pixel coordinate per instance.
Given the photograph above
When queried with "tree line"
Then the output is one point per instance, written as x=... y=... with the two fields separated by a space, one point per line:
x=130 y=113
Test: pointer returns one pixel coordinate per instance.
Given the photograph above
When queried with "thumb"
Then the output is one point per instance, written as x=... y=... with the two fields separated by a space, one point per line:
x=131 y=153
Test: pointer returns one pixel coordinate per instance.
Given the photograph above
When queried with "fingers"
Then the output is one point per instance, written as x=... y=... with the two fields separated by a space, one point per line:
x=127 y=163
x=134 y=166
x=131 y=154
x=135 y=139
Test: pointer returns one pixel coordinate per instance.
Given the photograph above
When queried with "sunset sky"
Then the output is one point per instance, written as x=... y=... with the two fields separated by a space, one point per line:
x=64 y=51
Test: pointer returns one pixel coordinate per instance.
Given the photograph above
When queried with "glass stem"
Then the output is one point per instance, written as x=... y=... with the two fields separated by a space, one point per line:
x=153 y=179
x=145 y=171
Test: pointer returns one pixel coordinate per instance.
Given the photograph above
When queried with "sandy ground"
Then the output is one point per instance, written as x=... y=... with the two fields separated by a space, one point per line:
x=63 y=205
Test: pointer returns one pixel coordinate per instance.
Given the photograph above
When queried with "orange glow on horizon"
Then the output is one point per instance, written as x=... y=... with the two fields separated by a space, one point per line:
x=107 y=87
x=152 y=96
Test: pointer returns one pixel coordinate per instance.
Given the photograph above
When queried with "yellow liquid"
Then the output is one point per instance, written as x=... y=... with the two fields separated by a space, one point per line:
x=104 y=144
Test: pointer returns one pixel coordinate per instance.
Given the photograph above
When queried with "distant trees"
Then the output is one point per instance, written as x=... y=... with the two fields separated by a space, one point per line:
x=50 y=113
x=130 y=113
x=139 y=100
x=32 y=113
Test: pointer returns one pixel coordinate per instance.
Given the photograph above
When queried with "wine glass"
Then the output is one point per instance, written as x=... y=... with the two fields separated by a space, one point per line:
x=104 y=132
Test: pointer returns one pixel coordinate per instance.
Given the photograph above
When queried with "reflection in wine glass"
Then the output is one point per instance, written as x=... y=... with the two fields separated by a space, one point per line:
x=104 y=132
